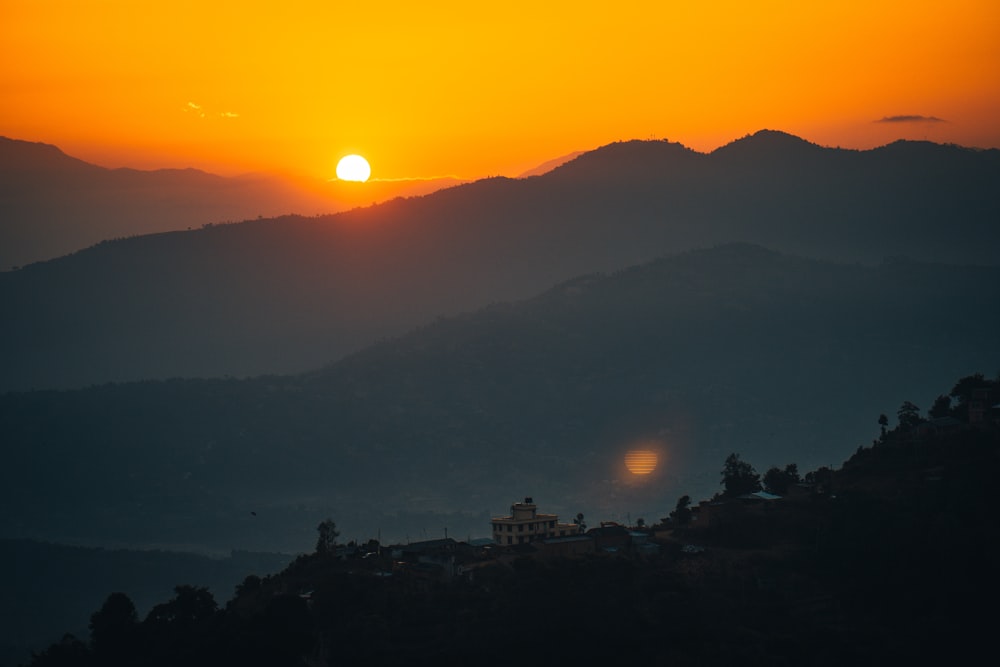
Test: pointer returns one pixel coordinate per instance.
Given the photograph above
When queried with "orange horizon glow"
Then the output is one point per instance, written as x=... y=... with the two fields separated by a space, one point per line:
x=423 y=89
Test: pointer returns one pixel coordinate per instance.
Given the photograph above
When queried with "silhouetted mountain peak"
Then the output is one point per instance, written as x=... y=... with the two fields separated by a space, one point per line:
x=930 y=150
x=766 y=143
x=21 y=156
x=628 y=160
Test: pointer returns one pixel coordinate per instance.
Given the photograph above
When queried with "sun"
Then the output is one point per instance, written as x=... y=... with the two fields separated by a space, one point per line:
x=641 y=461
x=353 y=168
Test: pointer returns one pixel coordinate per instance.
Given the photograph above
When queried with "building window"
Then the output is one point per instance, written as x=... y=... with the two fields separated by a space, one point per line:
x=520 y=527
x=509 y=528
x=509 y=540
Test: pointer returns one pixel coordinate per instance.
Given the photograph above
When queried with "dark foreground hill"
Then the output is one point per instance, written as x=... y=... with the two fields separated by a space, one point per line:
x=52 y=589
x=887 y=561
x=734 y=348
x=289 y=294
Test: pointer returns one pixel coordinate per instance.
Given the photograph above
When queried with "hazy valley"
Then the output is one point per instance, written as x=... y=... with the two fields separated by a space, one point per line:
x=707 y=352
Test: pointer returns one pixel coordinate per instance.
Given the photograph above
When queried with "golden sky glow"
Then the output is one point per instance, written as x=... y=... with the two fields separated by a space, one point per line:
x=475 y=89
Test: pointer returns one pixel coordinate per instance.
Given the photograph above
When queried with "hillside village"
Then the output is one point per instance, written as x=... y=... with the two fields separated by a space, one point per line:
x=884 y=559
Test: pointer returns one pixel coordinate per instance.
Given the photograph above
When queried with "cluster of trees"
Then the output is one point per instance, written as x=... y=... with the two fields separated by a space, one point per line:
x=956 y=404
x=117 y=635
x=739 y=478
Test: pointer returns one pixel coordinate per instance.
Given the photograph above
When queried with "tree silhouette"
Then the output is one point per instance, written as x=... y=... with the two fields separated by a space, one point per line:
x=67 y=652
x=963 y=392
x=113 y=630
x=941 y=407
x=190 y=606
x=778 y=481
x=181 y=631
x=908 y=416
x=739 y=477
x=682 y=511
x=326 y=544
x=822 y=477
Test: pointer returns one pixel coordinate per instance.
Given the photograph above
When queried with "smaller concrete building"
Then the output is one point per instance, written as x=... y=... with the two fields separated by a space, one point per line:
x=610 y=537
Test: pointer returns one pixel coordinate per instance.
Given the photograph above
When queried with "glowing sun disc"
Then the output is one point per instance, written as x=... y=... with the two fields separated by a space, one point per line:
x=641 y=461
x=353 y=168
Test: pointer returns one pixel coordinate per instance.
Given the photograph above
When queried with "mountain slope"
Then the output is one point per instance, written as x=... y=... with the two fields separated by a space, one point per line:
x=52 y=204
x=699 y=354
x=292 y=293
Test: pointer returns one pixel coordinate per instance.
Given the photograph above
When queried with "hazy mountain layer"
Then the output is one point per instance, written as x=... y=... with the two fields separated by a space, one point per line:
x=289 y=294
x=698 y=355
x=52 y=204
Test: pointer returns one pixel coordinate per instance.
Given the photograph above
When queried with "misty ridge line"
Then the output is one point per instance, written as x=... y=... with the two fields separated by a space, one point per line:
x=287 y=294
x=55 y=206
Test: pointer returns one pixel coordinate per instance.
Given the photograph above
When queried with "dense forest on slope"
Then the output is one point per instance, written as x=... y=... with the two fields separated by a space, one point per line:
x=289 y=294
x=54 y=588
x=887 y=561
x=735 y=348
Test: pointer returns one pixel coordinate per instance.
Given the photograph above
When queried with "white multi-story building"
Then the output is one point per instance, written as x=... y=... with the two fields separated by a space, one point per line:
x=526 y=525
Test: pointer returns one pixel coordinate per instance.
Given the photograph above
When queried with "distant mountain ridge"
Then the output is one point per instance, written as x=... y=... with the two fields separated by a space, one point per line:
x=19 y=156
x=291 y=293
x=52 y=204
x=549 y=165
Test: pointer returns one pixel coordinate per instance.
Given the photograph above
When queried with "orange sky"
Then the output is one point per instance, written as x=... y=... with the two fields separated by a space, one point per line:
x=476 y=89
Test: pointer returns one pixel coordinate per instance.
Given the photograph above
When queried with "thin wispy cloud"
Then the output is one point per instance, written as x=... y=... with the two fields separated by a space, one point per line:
x=911 y=119
x=199 y=111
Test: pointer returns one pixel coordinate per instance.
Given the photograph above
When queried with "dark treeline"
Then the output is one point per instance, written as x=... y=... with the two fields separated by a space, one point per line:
x=884 y=561
x=58 y=586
